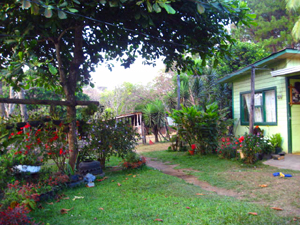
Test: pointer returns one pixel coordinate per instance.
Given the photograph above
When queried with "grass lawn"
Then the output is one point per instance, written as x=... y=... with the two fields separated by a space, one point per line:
x=143 y=195
x=244 y=179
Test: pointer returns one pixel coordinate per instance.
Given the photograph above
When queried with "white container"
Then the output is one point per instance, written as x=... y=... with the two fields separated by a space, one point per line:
x=30 y=169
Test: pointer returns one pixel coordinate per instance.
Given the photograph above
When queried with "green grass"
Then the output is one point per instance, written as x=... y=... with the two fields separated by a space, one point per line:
x=219 y=172
x=244 y=179
x=148 y=196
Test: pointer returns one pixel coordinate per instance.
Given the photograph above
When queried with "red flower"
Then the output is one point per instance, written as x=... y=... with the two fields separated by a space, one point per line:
x=223 y=139
x=12 y=134
x=193 y=146
x=236 y=143
x=28 y=146
x=228 y=143
x=20 y=132
x=241 y=139
x=256 y=127
x=61 y=151
x=27 y=125
x=228 y=139
x=26 y=152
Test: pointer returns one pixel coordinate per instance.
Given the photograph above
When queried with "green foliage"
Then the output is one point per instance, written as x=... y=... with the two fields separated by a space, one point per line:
x=107 y=138
x=276 y=140
x=241 y=55
x=274 y=25
x=252 y=144
x=154 y=115
x=228 y=148
x=198 y=127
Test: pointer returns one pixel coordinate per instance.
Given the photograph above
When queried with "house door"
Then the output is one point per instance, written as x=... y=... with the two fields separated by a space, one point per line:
x=295 y=118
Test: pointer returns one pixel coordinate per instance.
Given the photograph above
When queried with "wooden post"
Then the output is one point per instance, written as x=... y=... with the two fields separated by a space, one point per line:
x=178 y=91
x=251 y=116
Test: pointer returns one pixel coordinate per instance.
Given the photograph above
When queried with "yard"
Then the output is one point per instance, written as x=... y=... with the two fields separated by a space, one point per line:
x=147 y=196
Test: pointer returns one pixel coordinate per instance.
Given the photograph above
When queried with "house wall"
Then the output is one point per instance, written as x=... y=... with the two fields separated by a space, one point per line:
x=263 y=79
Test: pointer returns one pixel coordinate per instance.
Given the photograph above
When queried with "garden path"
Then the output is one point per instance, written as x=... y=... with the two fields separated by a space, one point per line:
x=184 y=174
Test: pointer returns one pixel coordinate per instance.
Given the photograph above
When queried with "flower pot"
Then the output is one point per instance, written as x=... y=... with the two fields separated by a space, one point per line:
x=27 y=168
x=277 y=150
x=35 y=123
x=192 y=152
x=57 y=122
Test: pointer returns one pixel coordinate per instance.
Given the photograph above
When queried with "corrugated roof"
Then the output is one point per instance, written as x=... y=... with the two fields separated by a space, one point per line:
x=282 y=54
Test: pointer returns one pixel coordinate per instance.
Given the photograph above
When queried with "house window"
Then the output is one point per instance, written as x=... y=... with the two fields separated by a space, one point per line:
x=264 y=107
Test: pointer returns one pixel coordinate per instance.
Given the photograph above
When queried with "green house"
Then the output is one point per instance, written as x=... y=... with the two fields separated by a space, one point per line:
x=276 y=100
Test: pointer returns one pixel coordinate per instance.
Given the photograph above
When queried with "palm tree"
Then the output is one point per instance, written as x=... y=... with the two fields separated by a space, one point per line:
x=154 y=116
x=294 y=5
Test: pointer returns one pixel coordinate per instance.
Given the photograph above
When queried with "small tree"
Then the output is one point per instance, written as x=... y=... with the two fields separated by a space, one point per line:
x=107 y=138
x=154 y=116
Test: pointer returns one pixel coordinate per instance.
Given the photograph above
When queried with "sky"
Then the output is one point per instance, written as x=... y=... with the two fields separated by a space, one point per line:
x=136 y=74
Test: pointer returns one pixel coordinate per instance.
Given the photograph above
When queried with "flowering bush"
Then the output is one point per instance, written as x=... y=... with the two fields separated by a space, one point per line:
x=228 y=148
x=253 y=144
x=17 y=194
x=34 y=145
x=133 y=160
x=15 y=215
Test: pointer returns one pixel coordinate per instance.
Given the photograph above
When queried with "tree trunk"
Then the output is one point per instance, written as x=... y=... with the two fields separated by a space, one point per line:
x=10 y=107
x=178 y=92
x=2 y=109
x=155 y=132
x=23 y=107
x=69 y=85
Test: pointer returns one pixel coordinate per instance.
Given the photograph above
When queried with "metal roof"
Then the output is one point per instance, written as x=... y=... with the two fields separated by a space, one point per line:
x=282 y=54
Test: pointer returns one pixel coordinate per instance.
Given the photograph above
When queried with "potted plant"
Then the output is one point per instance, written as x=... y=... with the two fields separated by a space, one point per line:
x=276 y=141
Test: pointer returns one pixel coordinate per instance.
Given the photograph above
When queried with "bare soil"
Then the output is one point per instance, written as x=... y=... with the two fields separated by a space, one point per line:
x=279 y=192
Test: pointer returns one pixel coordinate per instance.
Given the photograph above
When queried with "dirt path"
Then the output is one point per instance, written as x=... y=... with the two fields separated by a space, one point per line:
x=183 y=174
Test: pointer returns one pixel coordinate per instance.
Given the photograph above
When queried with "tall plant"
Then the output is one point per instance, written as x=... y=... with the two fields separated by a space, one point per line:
x=198 y=127
x=154 y=116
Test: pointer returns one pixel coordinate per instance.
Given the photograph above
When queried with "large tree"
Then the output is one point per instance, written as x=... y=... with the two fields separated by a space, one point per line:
x=64 y=40
x=274 y=25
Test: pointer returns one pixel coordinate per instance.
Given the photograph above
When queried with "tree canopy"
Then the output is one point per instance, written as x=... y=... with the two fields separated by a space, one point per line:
x=63 y=41
x=274 y=25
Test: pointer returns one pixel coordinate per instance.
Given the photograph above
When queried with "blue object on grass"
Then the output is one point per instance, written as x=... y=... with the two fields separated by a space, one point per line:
x=285 y=175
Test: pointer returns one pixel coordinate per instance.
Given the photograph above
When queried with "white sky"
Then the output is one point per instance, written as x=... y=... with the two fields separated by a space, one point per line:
x=136 y=74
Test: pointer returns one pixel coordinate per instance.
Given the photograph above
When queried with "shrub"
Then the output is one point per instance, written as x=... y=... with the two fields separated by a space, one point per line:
x=133 y=160
x=228 y=147
x=34 y=145
x=253 y=144
x=15 y=215
x=198 y=127
x=107 y=138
